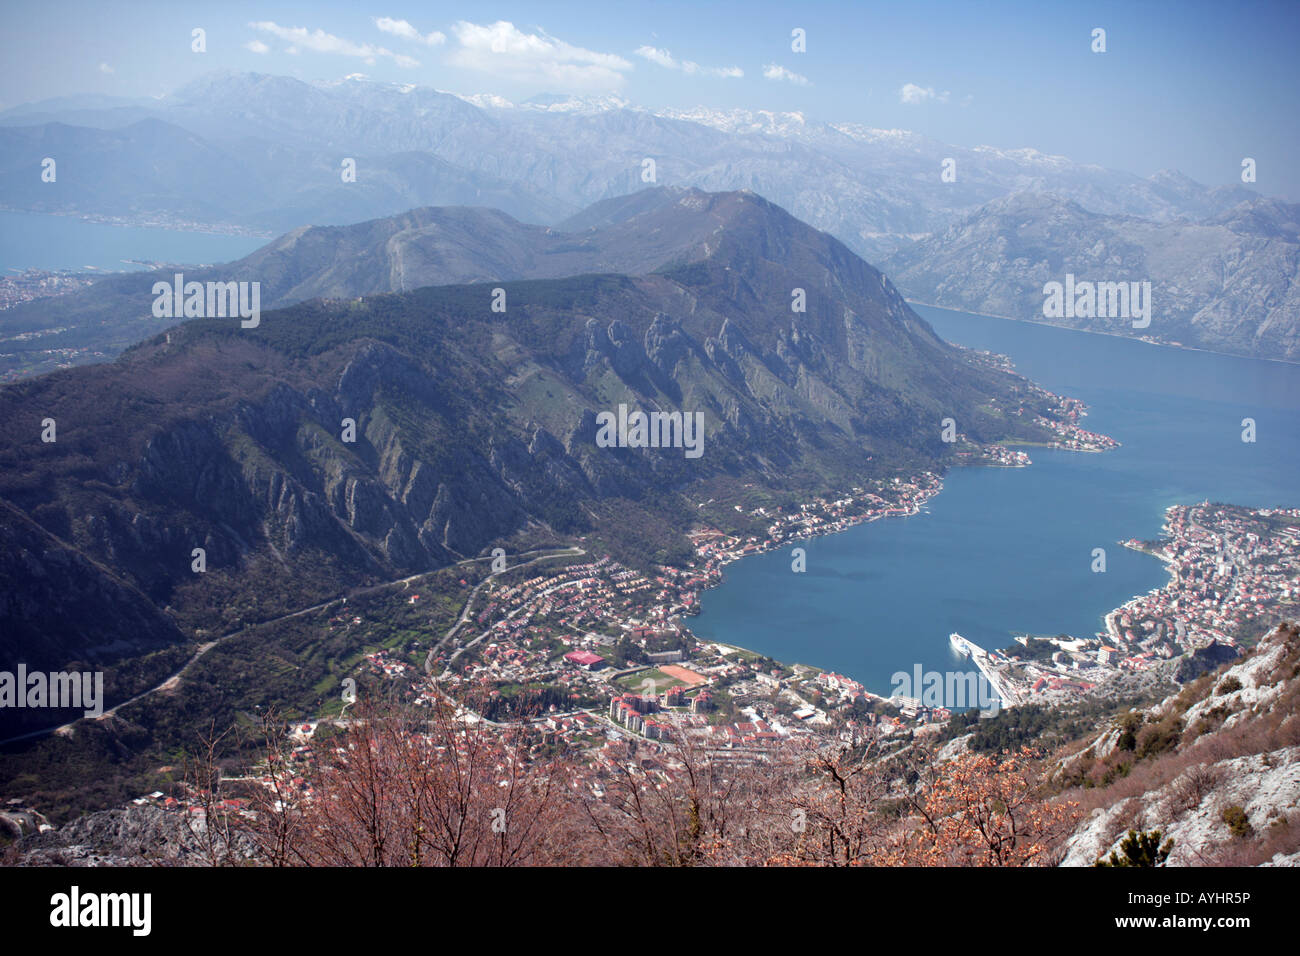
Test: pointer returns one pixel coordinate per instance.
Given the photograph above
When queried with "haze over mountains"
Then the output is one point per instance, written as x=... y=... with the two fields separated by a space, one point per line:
x=265 y=152
x=283 y=139
x=424 y=247
x=1226 y=283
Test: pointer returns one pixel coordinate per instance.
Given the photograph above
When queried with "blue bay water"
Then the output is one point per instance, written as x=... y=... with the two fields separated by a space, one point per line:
x=1008 y=551
x=31 y=241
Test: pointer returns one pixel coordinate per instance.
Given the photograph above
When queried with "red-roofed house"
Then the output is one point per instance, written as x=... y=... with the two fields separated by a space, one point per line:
x=586 y=660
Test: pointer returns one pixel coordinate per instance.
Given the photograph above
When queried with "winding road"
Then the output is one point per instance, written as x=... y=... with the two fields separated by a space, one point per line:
x=174 y=679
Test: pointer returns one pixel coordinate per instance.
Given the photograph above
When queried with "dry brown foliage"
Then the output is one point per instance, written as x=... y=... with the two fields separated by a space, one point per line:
x=978 y=810
x=397 y=788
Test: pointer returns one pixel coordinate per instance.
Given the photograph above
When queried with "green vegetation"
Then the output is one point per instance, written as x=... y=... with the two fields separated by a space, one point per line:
x=294 y=667
x=1030 y=724
x=1159 y=737
x=1139 y=849
x=1036 y=649
x=1237 y=821
x=634 y=683
x=512 y=701
x=1229 y=685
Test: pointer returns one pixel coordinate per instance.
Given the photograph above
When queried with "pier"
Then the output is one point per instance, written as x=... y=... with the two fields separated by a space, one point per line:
x=984 y=664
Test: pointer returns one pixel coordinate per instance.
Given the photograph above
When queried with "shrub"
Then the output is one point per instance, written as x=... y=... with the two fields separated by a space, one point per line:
x=1139 y=849
x=1128 y=725
x=1237 y=821
x=1229 y=685
x=1159 y=737
x=1194 y=785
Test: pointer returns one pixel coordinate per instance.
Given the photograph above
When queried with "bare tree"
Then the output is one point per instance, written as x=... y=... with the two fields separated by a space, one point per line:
x=981 y=810
x=404 y=787
x=700 y=807
x=839 y=805
x=211 y=829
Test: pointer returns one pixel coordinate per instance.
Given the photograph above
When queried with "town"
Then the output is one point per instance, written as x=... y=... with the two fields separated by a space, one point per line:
x=32 y=284
x=606 y=652
x=586 y=656
x=1234 y=572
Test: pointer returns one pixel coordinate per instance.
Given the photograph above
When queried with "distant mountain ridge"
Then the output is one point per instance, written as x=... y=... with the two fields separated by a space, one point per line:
x=267 y=152
x=872 y=188
x=1228 y=283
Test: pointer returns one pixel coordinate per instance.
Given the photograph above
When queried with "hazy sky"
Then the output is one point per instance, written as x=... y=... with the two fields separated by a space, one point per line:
x=1186 y=85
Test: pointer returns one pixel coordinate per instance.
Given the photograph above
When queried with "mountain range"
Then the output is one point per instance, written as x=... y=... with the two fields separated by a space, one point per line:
x=423 y=247
x=284 y=138
x=1225 y=283
x=473 y=427
x=266 y=152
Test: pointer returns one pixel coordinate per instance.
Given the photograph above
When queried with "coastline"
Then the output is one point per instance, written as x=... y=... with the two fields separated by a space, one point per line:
x=1117 y=335
x=924 y=492
x=850 y=522
x=207 y=229
x=1011 y=694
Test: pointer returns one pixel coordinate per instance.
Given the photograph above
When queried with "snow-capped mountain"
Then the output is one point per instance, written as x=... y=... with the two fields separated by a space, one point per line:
x=282 y=141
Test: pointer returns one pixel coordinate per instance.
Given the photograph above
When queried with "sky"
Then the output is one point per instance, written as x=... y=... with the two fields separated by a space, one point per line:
x=1193 y=86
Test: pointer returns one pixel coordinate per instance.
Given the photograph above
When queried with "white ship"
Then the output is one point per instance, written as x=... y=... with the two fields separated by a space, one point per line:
x=962 y=646
x=983 y=664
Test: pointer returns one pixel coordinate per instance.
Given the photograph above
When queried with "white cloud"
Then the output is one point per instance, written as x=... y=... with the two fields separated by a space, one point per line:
x=655 y=55
x=537 y=58
x=321 y=42
x=773 y=72
x=911 y=93
x=105 y=68
x=257 y=46
x=403 y=29
x=665 y=59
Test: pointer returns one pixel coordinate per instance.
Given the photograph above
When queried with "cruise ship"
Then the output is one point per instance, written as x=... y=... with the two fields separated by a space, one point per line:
x=983 y=663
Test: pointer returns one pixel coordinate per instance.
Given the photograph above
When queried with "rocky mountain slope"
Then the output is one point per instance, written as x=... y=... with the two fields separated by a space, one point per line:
x=131 y=836
x=473 y=425
x=630 y=235
x=1227 y=283
x=1215 y=768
